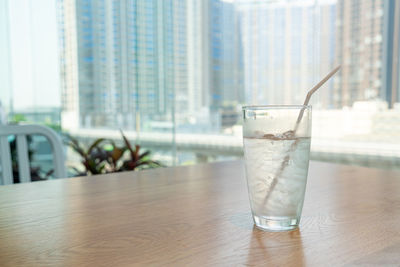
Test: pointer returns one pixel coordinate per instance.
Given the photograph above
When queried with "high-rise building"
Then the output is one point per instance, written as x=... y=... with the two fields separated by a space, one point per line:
x=287 y=46
x=69 y=82
x=122 y=60
x=215 y=67
x=226 y=62
x=198 y=39
x=368 y=49
x=127 y=63
x=325 y=54
x=359 y=50
x=391 y=52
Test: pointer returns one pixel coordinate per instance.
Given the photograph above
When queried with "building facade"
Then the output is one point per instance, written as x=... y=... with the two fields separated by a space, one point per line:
x=368 y=50
x=136 y=63
x=287 y=47
x=226 y=57
x=123 y=62
x=391 y=53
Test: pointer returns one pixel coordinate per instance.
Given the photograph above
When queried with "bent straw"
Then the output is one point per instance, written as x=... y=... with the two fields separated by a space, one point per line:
x=286 y=159
x=311 y=92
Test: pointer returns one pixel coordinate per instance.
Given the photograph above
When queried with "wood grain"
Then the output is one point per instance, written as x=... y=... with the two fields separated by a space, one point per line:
x=195 y=216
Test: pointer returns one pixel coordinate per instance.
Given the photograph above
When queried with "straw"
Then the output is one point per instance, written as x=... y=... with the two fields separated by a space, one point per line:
x=311 y=92
x=293 y=146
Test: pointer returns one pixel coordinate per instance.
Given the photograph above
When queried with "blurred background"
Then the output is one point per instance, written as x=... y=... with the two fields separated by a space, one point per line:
x=174 y=74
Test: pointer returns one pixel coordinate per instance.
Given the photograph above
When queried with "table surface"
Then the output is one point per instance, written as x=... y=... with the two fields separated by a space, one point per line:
x=198 y=215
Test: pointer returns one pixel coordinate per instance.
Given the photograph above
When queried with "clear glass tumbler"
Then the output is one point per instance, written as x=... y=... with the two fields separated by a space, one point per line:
x=276 y=143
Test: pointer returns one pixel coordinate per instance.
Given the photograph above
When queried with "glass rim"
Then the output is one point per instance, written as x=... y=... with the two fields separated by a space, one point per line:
x=261 y=107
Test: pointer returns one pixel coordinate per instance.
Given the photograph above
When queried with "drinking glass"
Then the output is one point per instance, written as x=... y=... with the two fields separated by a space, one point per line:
x=276 y=143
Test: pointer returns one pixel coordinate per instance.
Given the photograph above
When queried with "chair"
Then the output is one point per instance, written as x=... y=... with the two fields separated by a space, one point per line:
x=21 y=132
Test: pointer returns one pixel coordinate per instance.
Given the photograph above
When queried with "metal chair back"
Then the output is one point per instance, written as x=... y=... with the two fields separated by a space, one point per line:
x=21 y=132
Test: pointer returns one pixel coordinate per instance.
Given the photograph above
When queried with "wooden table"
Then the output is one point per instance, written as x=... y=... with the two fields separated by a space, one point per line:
x=198 y=215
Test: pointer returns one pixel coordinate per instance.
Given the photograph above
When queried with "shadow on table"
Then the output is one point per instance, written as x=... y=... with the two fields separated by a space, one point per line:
x=276 y=248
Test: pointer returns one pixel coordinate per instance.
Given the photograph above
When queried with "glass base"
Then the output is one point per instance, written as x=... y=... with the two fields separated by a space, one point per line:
x=276 y=224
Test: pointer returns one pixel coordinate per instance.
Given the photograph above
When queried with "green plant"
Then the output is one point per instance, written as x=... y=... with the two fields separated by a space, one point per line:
x=115 y=155
x=93 y=159
x=104 y=156
x=137 y=159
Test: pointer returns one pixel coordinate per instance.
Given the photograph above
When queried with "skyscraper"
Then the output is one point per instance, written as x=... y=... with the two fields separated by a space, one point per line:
x=391 y=52
x=226 y=61
x=66 y=13
x=325 y=54
x=198 y=39
x=368 y=49
x=121 y=59
x=215 y=67
x=286 y=48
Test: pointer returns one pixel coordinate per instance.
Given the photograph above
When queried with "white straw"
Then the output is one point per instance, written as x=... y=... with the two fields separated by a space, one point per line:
x=312 y=91
x=286 y=159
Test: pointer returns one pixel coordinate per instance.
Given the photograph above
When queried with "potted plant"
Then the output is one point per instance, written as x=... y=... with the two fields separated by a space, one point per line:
x=104 y=156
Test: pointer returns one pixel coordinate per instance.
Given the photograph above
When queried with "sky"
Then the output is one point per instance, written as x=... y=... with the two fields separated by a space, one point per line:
x=29 y=45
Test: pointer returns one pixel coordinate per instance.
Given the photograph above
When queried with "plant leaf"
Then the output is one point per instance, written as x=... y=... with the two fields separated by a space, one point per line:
x=137 y=148
x=95 y=144
x=78 y=172
x=149 y=163
x=117 y=153
x=144 y=154
x=128 y=145
x=74 y=144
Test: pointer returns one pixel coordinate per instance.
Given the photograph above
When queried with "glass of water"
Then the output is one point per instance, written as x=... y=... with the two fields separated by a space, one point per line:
x=276 y=143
